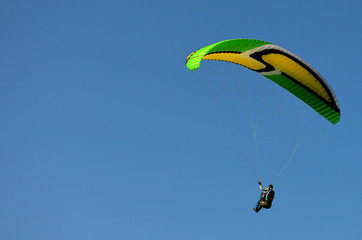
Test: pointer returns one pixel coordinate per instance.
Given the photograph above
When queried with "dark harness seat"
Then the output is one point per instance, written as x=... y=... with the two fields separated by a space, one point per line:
x=266 y=199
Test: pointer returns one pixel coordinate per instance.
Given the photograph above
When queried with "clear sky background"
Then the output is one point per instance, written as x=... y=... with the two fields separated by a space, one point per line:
x=105 y=134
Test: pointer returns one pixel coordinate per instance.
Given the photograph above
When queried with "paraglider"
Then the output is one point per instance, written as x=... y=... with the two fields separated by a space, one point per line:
x=266 y=198
x=283 y=68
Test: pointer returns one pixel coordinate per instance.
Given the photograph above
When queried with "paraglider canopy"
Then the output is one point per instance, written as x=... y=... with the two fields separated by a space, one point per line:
x=279 y=65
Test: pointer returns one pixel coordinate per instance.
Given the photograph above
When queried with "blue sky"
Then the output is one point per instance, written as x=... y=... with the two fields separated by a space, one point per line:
x=105 y=134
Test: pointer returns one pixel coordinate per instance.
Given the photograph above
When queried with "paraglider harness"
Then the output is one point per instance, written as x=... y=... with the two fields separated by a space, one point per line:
x=266 y=198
